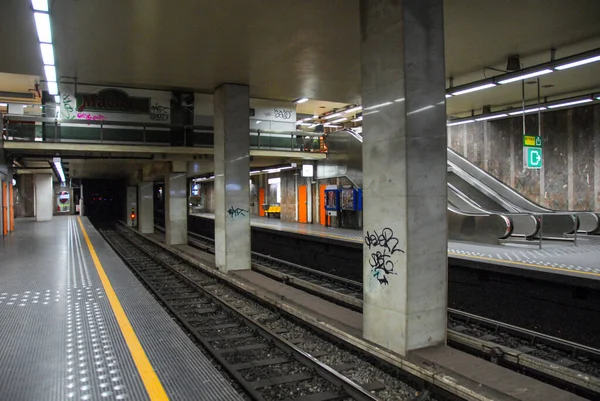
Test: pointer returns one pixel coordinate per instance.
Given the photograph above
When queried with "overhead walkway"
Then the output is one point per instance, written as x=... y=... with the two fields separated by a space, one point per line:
x=43 y=134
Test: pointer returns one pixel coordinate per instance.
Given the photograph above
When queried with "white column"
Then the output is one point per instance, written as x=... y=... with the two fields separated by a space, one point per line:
x=404 y=167
x=43 y=197
x=131 y=206
x=176 y=209
x=232 y=170
x=146 y=207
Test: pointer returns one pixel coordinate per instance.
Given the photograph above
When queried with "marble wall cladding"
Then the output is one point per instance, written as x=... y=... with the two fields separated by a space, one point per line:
x=288 y=197
x=583 y=158
x=571 y=146
x=23 y=196
x=474 y=142
x=499 y=163
x=556 y=177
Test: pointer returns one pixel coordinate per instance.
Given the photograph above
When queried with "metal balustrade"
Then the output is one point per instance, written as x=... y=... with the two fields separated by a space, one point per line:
x=45 y=129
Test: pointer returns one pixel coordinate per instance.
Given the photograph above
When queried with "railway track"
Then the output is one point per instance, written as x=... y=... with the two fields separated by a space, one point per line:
x=270 y=357
x=563 y=363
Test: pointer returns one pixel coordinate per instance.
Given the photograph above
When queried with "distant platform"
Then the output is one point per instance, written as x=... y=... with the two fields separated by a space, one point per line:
x=580 y=260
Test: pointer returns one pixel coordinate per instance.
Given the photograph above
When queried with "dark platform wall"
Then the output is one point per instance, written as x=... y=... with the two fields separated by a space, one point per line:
x=570 y=178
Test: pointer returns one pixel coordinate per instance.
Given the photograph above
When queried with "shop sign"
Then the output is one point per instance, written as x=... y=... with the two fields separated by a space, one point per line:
x=114 y=101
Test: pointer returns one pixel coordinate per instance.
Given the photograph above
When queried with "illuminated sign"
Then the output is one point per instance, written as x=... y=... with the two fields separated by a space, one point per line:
x=532 y=140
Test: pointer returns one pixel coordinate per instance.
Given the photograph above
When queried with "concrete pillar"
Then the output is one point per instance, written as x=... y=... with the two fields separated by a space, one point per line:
x=176 y=209
x=131 y=206
x=44 y=194
x=404 y=167
x=146 y=207
x=232 y=168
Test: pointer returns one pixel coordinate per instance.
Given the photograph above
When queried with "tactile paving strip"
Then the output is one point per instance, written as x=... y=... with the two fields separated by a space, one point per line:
x=59 y=339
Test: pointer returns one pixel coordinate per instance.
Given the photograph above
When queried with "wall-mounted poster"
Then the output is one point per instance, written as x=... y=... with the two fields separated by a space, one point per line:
x=332 y=199
x=63 y=200
x=348 y=199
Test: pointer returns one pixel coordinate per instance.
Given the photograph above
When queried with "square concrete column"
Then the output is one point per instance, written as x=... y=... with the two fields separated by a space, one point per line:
x=232 y=175
x=176 y=209
x=132 y=208
x=404 y=167
x=146 y=207
x=44 y=209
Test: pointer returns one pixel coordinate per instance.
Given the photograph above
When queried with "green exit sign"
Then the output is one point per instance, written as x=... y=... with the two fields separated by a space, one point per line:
x=533 y=157
x=533 y=141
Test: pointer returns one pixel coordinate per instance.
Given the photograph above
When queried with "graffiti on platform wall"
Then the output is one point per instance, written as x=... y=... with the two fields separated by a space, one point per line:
x=235 y=212
x=67 y=106
x=382 y=245
x=91 y=117
x=159 y=113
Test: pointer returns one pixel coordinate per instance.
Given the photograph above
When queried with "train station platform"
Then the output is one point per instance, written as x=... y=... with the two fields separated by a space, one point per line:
x=575 y=259
x=77 y=324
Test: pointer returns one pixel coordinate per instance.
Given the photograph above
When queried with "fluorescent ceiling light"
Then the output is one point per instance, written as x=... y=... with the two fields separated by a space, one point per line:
x=258 y=121
x=339 y=120
x=315 y=116
x=378 y=105
x=357 y=119
x=42 y=24
x=580 y=62
x=460 y=122
x=525 y=76
x=59 y=169
x=47 y=53
x=331 y=126
x=57 y=99
x=40 y=5
x=514 y=113
x=3 y=104
x=255 y=172
x=304 y=124
x=314 y=125
x=473 y=89
x=491 y=117
x=569 y=103
x=357 y=108
x=332 y=116
x=598 y=98
x=301 y=100
x=50 y=73
x=52 y=88
x=448 y=95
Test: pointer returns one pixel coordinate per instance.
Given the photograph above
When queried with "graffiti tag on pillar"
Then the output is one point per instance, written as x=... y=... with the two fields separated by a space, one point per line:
x=235 y=212
x=383 y=246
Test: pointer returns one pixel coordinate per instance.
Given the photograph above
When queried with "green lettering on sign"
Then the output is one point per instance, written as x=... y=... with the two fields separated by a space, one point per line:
x=532 y=140
x=533 y=157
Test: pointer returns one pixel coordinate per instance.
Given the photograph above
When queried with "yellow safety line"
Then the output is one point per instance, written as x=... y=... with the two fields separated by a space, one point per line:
x=328 y=235
x=523 y=264
x=154 y=387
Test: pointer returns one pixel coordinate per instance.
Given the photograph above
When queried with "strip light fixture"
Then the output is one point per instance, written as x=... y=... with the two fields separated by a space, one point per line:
x=492 y=117
x=353 y=109
x=473 y=89
x=42 y=24
x=525 y=76
x=554 y=106
x=578 y=63
x=301 y=100
x=329 y=117
x=339 y=120
x=515 y=113
x=58 y=166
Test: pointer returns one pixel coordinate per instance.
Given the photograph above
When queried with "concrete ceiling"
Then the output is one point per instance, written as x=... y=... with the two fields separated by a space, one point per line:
x=284 y=49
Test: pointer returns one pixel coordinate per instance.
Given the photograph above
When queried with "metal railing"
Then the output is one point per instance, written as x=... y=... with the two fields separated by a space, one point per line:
x=45 y=129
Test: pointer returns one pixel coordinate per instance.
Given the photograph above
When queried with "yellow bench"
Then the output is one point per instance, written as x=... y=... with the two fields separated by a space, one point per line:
x=276 y=210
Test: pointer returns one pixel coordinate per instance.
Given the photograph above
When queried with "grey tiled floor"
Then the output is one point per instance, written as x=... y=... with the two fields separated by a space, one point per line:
x=59 y=338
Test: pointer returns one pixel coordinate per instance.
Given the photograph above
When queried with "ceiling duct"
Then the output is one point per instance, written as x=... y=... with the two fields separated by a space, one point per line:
x=17 y=95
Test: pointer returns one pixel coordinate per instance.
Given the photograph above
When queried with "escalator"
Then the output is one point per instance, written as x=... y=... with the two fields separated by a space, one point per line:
x=504 y=199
